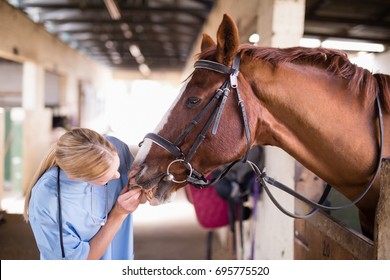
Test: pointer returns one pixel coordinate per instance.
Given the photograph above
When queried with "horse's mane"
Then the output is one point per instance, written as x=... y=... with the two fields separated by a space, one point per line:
x=359 y=80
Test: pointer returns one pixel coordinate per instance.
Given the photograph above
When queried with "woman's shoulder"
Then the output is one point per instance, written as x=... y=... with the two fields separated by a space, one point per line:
x=122 y=149
x=121 y=146
x=44 y=193
x=47 y=183
x=115 y=141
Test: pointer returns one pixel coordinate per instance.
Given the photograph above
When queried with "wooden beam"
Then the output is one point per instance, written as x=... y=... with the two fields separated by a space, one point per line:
x=322 y=237
x=382 y=225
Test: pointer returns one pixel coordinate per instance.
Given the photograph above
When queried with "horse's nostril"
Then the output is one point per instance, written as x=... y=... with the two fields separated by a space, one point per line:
x=136 y=170
x=133 y=185
x=133 y=172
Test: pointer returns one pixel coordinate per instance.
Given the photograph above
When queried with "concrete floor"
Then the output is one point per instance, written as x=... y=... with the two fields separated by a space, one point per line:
x=16 y=239
x=166 y=232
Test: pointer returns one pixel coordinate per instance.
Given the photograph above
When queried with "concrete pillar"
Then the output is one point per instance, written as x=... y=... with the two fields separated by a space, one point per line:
x=280 y=24
x=70 y=99
x=2 y=154
x=37 y=122
x=33 y=96
x=36 y=141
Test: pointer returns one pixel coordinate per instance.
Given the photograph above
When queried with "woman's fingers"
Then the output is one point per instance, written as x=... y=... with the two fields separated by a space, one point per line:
x=130 y=200
x=131 y=194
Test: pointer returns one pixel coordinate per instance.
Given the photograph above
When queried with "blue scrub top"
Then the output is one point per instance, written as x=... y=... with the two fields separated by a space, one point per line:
x=83 y=208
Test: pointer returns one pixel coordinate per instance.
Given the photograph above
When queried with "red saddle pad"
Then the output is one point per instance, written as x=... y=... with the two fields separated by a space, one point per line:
x=211 y=210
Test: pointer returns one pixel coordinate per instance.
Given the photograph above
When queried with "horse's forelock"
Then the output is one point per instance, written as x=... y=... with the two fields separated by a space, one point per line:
x=208 y=54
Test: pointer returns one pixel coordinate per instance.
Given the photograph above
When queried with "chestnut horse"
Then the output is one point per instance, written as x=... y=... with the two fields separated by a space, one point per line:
x=311 y=102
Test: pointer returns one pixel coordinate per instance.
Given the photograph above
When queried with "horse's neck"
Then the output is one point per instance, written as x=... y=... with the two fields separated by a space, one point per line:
x=308 y=114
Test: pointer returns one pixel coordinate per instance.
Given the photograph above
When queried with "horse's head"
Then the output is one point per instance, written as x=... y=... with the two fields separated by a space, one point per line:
x=202 y=130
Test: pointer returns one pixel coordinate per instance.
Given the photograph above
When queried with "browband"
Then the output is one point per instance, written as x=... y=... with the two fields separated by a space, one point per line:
x=213 y=66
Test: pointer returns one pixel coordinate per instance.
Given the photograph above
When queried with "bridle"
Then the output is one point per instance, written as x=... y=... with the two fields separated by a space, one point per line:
x=216 y=104
x=199 y=181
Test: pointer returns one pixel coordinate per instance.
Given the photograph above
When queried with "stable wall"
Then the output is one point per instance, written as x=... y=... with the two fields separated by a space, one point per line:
x=25 y=42
x=2 y=154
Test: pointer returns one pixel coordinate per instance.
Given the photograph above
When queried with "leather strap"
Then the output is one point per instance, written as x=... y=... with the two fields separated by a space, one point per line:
x=213 y=66
x=164 y=143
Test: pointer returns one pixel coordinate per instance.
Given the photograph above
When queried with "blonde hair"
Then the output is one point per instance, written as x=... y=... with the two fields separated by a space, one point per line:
x=82 y=153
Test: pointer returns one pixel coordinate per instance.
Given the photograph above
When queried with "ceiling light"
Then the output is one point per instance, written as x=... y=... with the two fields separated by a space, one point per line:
x=310 y=42
x=136 y=53
x=127 y=34
x=139 y=28
x=109 y=44
x=140 y=59
x=144 y=69
x=134 y=50
x=254 y=38
x=124 y=26
x=353 y=46
x=113 y=9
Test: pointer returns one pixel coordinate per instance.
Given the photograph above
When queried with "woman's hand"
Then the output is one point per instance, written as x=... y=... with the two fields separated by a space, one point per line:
x=128 y=200
x=126 y=203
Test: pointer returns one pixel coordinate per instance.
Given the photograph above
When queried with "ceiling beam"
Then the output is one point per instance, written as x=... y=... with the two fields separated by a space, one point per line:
x=341 y=36
x=126 y=8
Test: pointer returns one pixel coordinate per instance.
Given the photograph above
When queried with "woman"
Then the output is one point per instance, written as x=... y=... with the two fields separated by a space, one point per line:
x=79 y=205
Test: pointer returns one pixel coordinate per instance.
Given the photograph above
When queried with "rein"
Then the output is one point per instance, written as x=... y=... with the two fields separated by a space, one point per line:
x=199 y=181
x=263 y=179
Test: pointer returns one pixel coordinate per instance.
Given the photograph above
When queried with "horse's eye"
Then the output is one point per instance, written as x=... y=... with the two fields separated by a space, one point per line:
x=192 y=102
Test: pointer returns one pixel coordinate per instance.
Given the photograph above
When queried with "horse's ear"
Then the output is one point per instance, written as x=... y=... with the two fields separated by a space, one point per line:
x=227 y=41
x=207 y=42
